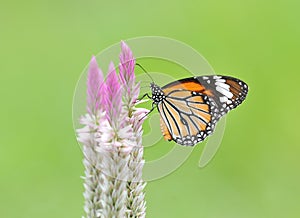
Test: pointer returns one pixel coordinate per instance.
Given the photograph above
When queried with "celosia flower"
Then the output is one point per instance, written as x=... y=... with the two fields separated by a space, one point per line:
x=95 y=86
x=88 y=135
x=136 y=198
x=112 y=142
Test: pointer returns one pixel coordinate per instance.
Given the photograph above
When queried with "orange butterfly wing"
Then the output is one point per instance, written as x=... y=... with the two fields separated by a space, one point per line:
x=188 y=121
x=165 y=131
x=192 y=106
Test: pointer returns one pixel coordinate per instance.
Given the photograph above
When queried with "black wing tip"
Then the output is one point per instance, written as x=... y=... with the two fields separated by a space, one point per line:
x=244 y=89
x=239 y=81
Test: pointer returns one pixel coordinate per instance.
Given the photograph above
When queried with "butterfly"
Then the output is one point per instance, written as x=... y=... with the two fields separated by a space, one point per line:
x=190 y=108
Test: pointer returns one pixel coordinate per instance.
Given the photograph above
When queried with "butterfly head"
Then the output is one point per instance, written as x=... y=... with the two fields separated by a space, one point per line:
x=157 y=94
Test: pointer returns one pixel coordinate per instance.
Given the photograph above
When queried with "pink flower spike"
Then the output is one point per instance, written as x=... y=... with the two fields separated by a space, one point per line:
x=112 y=142
x=94 y=83
x=113 y=102
x=127 y=63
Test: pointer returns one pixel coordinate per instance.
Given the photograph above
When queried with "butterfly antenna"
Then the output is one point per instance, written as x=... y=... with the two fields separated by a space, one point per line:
x=145 y=71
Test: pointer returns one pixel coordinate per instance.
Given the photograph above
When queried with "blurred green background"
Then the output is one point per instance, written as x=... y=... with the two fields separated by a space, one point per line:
x=45 y=45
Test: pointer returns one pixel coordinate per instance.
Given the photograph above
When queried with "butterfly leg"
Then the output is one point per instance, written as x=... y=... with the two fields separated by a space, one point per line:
x=153 y=107
x=145 y=95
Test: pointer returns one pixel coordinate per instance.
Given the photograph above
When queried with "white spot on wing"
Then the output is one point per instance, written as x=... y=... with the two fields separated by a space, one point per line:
x=223 y=99
x=221 y=80
x=225 y=92
x=223 y=85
